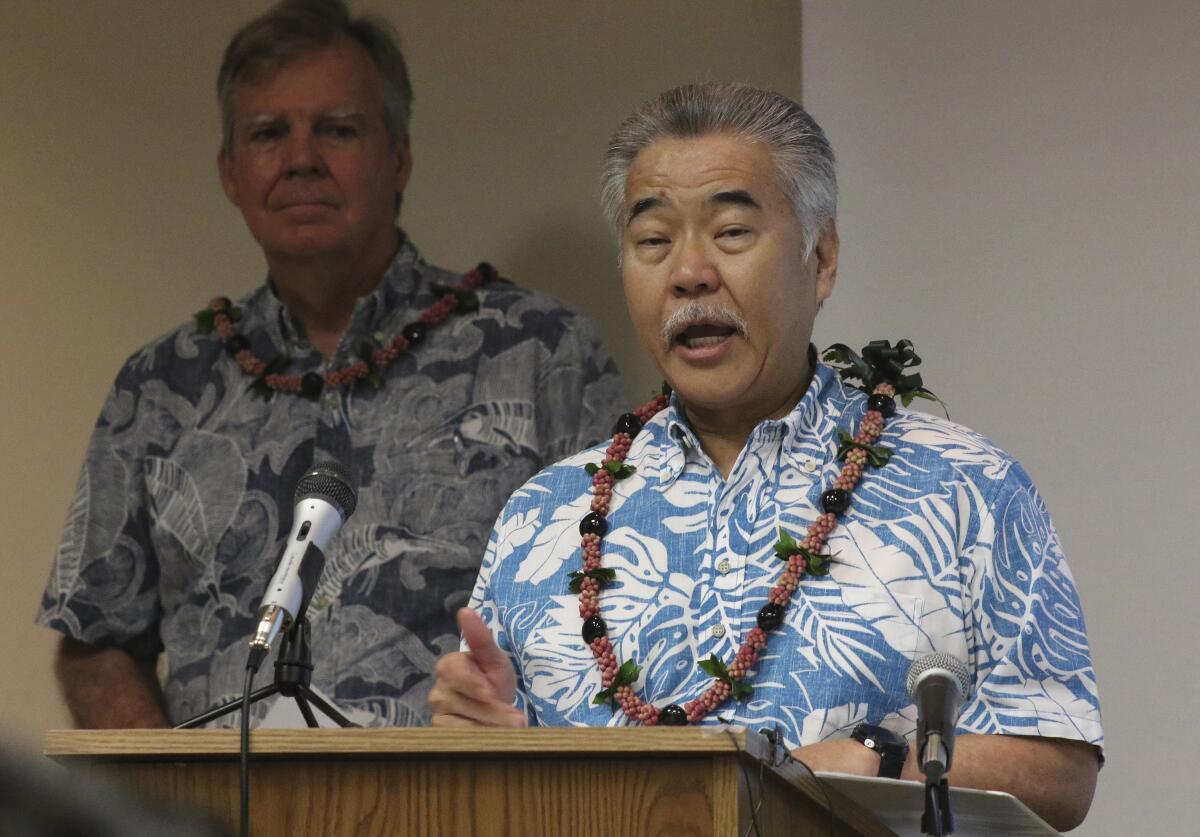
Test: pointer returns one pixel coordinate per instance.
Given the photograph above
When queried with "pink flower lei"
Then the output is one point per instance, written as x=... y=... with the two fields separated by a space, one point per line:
x=882 y=376
x=372 y=357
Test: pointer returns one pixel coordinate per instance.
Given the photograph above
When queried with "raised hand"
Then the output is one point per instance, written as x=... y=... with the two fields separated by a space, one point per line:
x=475 y=688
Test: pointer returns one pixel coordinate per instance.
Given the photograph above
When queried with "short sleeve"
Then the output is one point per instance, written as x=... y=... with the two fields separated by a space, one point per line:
x=1030 y=660
x=103 y=583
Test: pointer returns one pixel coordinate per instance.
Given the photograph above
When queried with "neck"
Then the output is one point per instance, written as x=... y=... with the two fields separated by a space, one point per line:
x=723 y=433
x=320 y=294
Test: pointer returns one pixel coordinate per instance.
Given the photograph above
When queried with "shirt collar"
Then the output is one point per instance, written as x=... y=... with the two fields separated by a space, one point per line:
x=799 y=431
x=374 y=312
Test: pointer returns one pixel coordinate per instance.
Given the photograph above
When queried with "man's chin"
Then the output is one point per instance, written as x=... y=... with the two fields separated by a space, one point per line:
x=305 y=241
x=709 y=396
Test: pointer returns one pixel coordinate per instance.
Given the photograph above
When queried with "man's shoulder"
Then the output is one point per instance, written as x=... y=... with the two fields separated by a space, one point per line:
x=562 y=483
x=516 y=306
x=945 y=449
x=185 y=353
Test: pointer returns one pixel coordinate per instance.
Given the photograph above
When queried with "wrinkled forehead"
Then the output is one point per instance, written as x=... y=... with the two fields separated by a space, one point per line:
x=712 y=170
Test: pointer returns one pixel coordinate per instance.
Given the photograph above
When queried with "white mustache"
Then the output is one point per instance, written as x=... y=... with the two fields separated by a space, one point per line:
x=692 y=312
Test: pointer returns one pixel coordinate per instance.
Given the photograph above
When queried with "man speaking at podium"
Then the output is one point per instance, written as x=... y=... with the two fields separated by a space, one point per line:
x=440 y=392
x=769 y=546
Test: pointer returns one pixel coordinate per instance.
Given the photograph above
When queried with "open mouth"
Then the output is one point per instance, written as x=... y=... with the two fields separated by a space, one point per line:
x=702 y=328
x=703 y=335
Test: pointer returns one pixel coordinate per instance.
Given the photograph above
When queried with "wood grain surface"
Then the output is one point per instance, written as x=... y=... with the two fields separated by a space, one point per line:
x=491 y=783
x=392 y=741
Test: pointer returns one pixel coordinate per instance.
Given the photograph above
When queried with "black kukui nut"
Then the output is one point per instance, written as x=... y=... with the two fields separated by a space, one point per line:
x=672 y=716
x=486 y=272
x=593 y=524
x=770 y=617
x=593 y=629
x=237 y=343
x=311 y=385
x=414 y=333
x=628 y=423
x=885 y=404
x=835 y=500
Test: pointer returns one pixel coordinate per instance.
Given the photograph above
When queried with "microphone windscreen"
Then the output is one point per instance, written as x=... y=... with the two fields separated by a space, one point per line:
x=329 y=481
x=952 y=665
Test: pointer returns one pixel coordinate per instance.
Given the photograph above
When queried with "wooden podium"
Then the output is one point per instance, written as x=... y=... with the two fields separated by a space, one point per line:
x=479 y=783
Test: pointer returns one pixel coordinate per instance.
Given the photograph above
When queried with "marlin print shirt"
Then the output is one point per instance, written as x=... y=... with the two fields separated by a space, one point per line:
x=186 y=494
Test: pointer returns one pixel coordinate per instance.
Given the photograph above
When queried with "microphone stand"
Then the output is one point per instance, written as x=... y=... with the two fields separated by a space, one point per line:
x=293 y=674
x=937 y=819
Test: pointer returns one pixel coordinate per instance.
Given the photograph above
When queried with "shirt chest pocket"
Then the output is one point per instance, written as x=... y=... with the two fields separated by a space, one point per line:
x=894 y=617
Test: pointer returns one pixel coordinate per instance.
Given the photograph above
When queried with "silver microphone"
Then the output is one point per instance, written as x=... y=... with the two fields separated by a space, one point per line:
x=937 y=684
x=325 y=499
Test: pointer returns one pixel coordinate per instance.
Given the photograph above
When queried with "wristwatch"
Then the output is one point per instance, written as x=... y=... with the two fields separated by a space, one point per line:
x=892 y=749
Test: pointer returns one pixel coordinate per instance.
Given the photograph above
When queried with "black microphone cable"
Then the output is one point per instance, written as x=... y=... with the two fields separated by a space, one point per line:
x=244 y=754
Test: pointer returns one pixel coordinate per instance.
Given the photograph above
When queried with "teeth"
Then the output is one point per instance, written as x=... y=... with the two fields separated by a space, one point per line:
x=702 y=342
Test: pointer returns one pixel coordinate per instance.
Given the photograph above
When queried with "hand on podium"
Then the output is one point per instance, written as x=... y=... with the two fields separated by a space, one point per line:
x=475 y=688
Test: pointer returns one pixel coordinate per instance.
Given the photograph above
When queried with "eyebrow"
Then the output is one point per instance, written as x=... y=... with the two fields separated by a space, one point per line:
x=260 y=119
x=267 y=118
x=734 y=197
x=348 y=112
x=644 y=205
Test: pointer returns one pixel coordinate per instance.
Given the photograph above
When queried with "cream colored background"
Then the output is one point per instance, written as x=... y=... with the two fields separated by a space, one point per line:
x=1019 y=197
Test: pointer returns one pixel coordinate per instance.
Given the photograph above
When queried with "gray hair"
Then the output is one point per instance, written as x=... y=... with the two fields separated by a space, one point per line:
x=298 y=27
x=803 y=157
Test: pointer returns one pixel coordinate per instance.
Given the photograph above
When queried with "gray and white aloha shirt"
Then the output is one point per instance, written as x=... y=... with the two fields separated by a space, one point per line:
x=947 y=548
x=185 y=495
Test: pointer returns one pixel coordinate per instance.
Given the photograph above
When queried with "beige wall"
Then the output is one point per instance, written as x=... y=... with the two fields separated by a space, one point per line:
x=113 y=227
x=1021 y=196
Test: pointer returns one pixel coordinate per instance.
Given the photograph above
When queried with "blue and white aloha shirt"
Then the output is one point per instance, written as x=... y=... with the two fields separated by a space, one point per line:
x=186 y=494
x=947 y=548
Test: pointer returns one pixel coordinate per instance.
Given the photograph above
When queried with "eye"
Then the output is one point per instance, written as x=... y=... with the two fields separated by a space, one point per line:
x=342 y=131
x=734 y=232
x=266 y=133
x=652 y=240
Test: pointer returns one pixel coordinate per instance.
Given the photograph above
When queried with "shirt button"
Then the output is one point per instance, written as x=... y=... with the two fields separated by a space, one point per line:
x=724 y=566
x=718 y=631
x=810 y=466
x=331 y=399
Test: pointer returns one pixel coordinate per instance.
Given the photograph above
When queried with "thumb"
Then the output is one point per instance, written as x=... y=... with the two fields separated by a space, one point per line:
x=494 y=663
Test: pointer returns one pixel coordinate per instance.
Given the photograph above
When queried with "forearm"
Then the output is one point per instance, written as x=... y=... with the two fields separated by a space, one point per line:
x=1054 y=777
x=107 y=688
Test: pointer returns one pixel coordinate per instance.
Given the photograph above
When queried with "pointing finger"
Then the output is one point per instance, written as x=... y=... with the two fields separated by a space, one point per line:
x=494 y=663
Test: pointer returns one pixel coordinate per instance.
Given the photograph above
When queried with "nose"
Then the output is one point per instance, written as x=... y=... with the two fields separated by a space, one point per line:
x=694 y=272
x=302 y=156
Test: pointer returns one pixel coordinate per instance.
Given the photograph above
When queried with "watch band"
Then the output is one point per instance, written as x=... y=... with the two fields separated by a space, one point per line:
x=892 y=749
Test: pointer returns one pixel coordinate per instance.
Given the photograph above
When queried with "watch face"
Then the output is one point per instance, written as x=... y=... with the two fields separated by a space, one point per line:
x=879 y=738
x=891 y=748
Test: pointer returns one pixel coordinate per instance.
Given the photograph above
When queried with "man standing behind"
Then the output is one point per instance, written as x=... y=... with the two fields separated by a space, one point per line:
x=770 y=546
x=442 y=393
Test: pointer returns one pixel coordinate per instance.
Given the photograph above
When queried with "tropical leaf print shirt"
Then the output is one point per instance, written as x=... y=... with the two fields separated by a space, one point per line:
x=946 y=548
x=186 y=494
